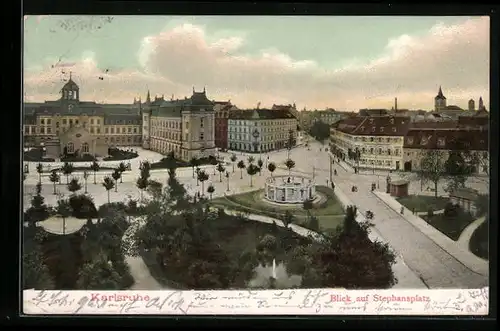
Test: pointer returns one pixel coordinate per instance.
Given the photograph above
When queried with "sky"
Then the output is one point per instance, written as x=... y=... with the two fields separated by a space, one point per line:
x=341 y=62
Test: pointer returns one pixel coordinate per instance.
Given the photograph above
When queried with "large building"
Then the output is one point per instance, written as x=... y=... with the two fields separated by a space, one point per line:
x=184 y=127
x=374 y=142
x=419 y=141
x=222 y=110
x=261 y=130
x=69 y=126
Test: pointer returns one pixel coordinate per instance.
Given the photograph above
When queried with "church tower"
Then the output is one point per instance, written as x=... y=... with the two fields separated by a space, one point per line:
x=70 y=91
x=481 y=104
x=472 y=105
x=439 y=101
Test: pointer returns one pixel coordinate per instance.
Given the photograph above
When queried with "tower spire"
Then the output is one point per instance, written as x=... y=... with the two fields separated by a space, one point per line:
x=148 y=97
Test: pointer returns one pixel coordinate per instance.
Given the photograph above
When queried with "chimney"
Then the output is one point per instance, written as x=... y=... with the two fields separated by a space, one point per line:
x=396 y=104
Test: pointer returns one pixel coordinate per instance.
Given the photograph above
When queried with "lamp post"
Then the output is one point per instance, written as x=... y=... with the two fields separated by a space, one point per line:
x=227 y=176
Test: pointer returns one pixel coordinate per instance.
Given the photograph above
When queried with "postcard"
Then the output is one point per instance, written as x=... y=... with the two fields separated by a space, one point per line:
x=270 y=165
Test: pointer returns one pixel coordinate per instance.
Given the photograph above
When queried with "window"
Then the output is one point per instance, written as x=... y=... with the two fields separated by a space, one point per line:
x=380 y=150
x=91 y=130
x=70 y=148
x=441 y=142
x=49 y=130
x=371 y=139
x=201 y=123
x=392 y=120
x=410 y=140
x=135 y=130
x=64 y=121
x=371 y=150
x=129 y=122
x=76 y=121
x=49 y=121
x=381 y=129
x=201 y=136
x=106 y=130
x=42 y=130
x=42 y=121
x=92 y=121
x=85 y=148
x=388 y=152
x=98 y=122
x=112 y=130
x=393 y=129
x=57 y=124
x=70 y=122
x=98 y=130
x=129 y=130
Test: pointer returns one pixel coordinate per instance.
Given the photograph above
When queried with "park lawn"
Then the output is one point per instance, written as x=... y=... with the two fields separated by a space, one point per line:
x=452 y=227
x=329 y=213
x=423 y=203
x=478 y=243
x=235 y=237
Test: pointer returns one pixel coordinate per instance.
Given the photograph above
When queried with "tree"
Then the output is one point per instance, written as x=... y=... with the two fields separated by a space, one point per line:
x=233 y=160
x=99 y=274
x=142 y=184
x=320 y=131
x=64 y=210
x=74 y=185
x=220 y=169
x=210 y=190
x=202 y=177
x=250 y=160
x=54 y=178
x=95 y=168
x=251 y=171
x=145 y=170
x=287 y=218
x=38 y=210
x=432 y=168
x=36 y=274
x=260 y=163
x=214 y=162
x=314 y=223
x=116 y=175
x=122 y=168
x=85 y=178
x=67 y=170
x=267 y=249
x=108 y=184
x=194 y=163
x=241 y=165
x=271 y=167
x=39 y=169
x=307 y=205
x=290 y=164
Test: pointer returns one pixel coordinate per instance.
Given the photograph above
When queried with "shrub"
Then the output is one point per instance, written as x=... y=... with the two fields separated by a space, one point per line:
x=110 y=208
x=78 y=158
x=83 y=206
x=451 y=210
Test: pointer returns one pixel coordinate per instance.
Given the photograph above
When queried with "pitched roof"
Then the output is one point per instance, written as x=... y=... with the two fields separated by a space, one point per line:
x=473 y=121
x=373 y=112
x=446 y=139
x=260 y=114
x=375 y=125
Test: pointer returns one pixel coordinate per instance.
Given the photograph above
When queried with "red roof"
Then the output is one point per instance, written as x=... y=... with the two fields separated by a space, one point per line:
x=456 y=139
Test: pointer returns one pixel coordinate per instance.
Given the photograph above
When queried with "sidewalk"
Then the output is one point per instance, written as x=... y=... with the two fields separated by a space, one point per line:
x=465 y=257
x=406 y=277
x=466 y=234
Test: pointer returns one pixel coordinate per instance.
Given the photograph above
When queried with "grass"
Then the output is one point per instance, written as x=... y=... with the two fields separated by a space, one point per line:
x=450 y=226
x=478 y=243
x=423 y=203
x=235 y=237
x=329 y=213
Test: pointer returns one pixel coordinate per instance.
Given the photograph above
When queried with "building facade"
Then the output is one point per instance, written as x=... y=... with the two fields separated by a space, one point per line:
x=370 y=142
x=184 y=127
x=221 y=110
x=261 y=130
x=419 y=141
x=69 y=126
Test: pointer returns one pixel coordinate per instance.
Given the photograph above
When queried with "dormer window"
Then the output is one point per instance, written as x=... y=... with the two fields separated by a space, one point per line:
x=371 y=120
x=441 y=142
x=362 y=128
x=393 y=129
x=373 y=129
x=410 y=140
x=424 y=141
x=381 y=129
x=392 y=120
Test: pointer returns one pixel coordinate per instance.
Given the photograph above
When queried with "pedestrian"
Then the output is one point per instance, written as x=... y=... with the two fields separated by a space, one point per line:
x=402 y=210
x=327 y=182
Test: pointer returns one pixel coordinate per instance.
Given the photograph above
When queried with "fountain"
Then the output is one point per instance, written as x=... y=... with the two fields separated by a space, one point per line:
x=274 y=268
x=289 y=189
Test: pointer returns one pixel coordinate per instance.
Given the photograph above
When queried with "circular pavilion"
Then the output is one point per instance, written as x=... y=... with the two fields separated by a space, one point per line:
x=289 y=189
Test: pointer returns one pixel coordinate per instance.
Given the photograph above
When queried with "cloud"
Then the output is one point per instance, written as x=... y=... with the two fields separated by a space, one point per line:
x=411 y=68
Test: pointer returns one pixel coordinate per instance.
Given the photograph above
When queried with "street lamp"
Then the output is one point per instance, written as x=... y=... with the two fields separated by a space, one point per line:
x=227 y=176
